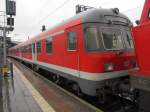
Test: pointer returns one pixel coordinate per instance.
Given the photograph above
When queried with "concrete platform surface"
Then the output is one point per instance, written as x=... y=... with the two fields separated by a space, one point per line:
x=58 y=99
x=15 y=97
x=28 y=92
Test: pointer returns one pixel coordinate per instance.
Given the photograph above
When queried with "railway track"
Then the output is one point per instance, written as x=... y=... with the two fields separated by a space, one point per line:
x=118 y=104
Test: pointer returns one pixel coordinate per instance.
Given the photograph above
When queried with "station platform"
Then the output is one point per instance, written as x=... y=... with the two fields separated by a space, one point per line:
x=26 y=92
x=18 y=95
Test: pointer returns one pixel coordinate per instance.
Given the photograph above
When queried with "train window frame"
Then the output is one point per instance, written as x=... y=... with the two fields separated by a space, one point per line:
x=98 y=35
x=68 y=37
x=50 y=39
x=38 y=47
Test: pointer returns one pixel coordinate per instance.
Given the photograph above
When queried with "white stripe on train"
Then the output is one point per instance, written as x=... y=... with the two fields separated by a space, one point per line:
x=81 y=74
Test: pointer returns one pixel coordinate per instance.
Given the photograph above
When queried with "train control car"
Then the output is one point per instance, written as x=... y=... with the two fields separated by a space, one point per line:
x=93 y=50
x=140 y=78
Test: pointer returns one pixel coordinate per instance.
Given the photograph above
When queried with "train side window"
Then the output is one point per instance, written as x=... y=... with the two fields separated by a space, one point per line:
x=72 y=40
x=26 y=49
x=93 y=39
x=49 y=45
x=30 y=48
x=149 y=14
x=23 y=49
x=38 y=47
x=33 y=48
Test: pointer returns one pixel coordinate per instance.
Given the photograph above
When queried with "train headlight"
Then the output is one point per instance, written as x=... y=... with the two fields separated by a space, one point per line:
x=109 y=67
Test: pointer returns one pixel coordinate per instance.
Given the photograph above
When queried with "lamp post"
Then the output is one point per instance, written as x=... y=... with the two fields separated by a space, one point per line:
x=4 y=30
x=4 y=40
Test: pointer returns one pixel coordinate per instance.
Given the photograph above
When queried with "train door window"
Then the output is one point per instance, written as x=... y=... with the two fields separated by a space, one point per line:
x=38 y=47
x=23 y=50
x=30 y=48
x=26 y=48
x=33 y=48
x=18 y=50
x=72 y=40
x=49 y=45
x=93 y=41
x=149 y=14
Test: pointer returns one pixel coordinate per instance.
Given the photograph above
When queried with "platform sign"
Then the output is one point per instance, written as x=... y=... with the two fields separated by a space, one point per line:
x=10 y=7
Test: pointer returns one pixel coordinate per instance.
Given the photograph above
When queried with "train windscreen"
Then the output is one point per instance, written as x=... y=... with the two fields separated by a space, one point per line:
x=112 y=40
x=102 y=39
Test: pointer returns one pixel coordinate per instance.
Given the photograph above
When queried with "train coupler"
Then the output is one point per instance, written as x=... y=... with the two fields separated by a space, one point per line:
x=104 y=95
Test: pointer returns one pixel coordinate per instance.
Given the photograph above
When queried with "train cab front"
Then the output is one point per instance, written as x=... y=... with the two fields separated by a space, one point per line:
x=109 y=54
x=108 y=50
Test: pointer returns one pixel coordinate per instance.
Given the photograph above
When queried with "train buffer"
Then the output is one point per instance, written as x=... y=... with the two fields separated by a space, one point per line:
x=26 y=92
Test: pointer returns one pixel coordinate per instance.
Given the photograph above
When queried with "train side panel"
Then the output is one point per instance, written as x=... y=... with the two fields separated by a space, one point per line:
x=141 y=36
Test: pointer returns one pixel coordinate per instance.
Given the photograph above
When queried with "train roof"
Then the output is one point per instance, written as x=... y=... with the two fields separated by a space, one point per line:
x=90 y=16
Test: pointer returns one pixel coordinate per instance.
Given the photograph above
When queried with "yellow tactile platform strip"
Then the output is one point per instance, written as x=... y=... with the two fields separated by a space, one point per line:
x=45 y=107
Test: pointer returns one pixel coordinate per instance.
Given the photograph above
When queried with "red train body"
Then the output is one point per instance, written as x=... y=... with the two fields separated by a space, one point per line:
x=141 y=35
x=93 y=49
x=140 y=78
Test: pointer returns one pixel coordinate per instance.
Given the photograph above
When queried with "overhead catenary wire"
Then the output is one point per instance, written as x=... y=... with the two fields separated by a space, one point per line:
x=40 y=11
x=54 y=11
x=129 y=10
x=108 y=2
x=50 y=14
x=42 y=19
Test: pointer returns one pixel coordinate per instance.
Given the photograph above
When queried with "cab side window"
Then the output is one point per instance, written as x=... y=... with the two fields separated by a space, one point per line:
x=149 y=13
x=93 y=41
x=38 y=47
x=49 y=45
x=72 y=40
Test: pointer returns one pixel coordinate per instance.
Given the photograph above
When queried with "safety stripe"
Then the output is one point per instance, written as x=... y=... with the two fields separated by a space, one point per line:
x=45 y=107
x=81 y=74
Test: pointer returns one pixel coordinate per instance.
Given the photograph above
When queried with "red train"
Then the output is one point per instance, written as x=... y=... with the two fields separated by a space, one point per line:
x=93 y=50
x=140 y=78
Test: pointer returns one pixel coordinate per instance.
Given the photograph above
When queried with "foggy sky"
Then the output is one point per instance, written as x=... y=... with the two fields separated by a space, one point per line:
x=32 y=14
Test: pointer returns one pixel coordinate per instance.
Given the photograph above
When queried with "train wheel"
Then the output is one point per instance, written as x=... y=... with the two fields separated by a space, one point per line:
x=36 y=68
x=76 y=89
x=54 y=78
x=102 y=96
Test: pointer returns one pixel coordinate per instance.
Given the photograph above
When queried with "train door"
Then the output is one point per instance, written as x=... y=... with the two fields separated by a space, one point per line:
x=20 y=53
x=72 y=56
x=34 y=52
